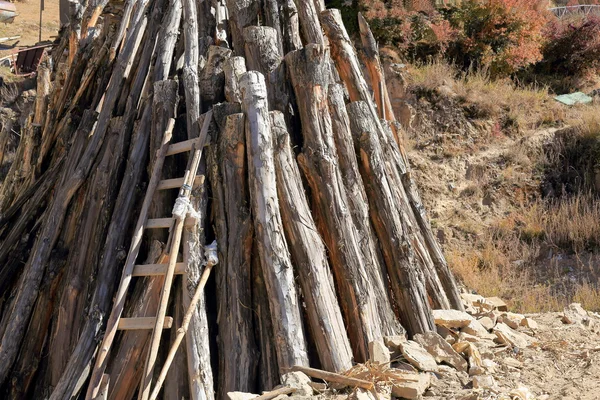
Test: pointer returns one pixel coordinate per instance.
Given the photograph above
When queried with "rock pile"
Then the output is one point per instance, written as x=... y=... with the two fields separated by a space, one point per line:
x=464 y=348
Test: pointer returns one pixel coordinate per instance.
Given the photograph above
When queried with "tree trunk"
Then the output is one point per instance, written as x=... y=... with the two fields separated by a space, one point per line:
x=362 y=293
x=310 y=259
x=272 y=247
x=237 y=365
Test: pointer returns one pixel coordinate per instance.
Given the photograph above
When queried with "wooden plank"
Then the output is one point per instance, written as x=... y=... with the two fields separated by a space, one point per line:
x=176 y=183
x=156 y=269
x=158 y=223
x=332 y=377
x=137 y=323
x=181 y=147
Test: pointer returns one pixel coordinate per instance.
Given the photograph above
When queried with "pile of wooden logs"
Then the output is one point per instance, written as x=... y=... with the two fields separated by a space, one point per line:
x=323 y=243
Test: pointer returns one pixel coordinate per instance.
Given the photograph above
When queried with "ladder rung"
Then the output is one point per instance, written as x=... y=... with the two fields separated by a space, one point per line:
x=176 y=183
x=156 y=269
x=157 y=223
x=181 y=147
x=137 y=323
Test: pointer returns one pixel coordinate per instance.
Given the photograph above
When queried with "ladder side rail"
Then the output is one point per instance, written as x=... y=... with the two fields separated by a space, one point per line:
x=117 y=310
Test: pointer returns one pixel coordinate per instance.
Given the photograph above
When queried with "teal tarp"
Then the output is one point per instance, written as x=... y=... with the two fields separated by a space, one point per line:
x=574 y=98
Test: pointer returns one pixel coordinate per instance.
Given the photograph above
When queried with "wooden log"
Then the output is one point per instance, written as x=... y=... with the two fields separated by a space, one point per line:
x=333 y=377
x=166 y=40
x=406 y=277
x=242 y=13
x=310 y=25
x=274 y=254
x=190 y=67
x=76 y=371
x=268 y=370
x=198 y=352
x=233 y=68
x=363 y=298
x=238 y=353
x=263 y=55
x=41 y=93
x=309 y=256
x=290 y=26
x=212 y=80
x=34 y=269
x=176 y=386
x=377 y=77
x=358 y=203
x=99 y=198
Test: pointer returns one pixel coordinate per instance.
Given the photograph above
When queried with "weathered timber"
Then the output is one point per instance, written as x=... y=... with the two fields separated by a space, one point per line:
x=242 y=13
x=406 y=277
x=76 y=371
x=35 y=267
x=362 y=295
x=233 y=68
x=212 y=79
x=263 y=55
x=309 y=256
x=237 y=365
x=197 y=341
x=268 y=370
x=272 y=246
x=358 y=203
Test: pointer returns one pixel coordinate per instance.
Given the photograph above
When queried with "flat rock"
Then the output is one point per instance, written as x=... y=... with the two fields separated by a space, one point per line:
x=299 y=381
x=240 y=396
x=511 y=319
x=471 y=299
x=512 y=362
x=508 y=336
x=465 y=337
x=452 y=318
x=379 y=353
x=475 y=328
x=529 y=323
x=487 y=323
x=574 y=314
x=418 y=356
x=412 y=390
x=497 y=303
x=483 y=382
x=448 y=335
x=441 y=350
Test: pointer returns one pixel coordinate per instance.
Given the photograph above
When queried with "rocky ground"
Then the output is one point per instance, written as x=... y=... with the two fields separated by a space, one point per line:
x=483 y=354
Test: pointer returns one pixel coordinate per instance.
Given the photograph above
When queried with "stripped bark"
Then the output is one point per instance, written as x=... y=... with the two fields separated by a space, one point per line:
x=233 y=68
x=310 y=258
x=272 y=246
x=406 y=276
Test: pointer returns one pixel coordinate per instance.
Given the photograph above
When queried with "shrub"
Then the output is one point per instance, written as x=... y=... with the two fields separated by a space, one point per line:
x=502 y=35
x=572 y=45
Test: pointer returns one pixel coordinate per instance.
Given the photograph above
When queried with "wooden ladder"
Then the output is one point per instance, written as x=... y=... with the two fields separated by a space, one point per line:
x=167 y=265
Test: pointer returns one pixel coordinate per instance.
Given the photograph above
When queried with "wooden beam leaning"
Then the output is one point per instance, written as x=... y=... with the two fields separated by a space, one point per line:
x=272 y=246
x=361 y=289
x=309 y=255
x=406 y=276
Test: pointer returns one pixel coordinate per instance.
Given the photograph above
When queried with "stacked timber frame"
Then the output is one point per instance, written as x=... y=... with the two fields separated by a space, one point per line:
x=323 y=242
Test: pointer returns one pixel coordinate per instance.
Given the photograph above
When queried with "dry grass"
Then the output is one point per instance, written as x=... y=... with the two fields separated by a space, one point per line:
x=531 y=257
x=517 y=108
